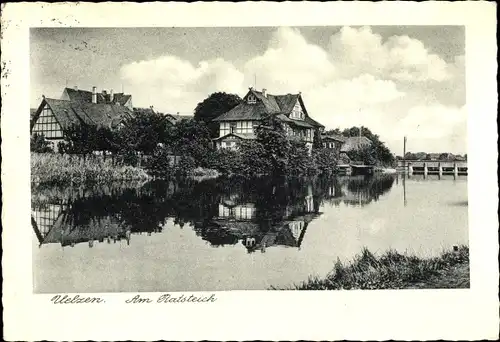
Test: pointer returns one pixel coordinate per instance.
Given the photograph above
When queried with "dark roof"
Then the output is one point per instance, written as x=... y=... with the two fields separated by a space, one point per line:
x=179 y=117
x=333 y=137
x=280 y=105
x=355 y=143
x=86 y=96
x=244 y=111
x=70 y=113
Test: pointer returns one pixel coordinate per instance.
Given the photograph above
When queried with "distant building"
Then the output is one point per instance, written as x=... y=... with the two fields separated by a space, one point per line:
x=240 y=122
x=103 y=97
x=333 y=142
x=355 y=144
x=172 y=118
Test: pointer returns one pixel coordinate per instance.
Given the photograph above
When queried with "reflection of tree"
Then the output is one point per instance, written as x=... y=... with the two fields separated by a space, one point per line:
x=358 y=190
x=260 y=212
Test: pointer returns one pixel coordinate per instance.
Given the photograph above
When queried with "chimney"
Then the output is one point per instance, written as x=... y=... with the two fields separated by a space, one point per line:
x=264 y=92
x=75 y=87
x=111 y=95
x=94 y=95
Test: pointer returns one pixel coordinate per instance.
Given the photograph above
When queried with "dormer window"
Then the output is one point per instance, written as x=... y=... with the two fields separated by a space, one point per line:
x=251 y=99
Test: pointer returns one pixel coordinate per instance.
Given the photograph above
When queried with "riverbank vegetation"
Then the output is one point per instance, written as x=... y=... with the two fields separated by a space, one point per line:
x=56 y=169
x=394 y=270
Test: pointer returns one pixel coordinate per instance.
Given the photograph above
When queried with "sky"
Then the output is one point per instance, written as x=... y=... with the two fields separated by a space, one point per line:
x=396 y=80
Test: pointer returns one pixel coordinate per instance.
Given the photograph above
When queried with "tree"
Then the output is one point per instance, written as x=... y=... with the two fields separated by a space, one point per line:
x=192 y=138
x=213 y=106
x=38 y=144
x=367 y=155
x=144 y=132
x=335 y=131
x=272 y=135
x=381 y=152
x=79 y=139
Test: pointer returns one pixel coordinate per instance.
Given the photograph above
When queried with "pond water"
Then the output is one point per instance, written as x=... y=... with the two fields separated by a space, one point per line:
x=234 y=234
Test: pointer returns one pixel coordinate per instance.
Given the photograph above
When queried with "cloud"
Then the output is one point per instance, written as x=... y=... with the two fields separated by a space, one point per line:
x=172 y=84
x=395 y=86
x=434 y=128
x=359 y=50
x=290 y=64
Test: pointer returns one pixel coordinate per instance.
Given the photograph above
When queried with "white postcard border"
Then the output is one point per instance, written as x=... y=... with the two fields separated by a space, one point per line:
x=249 y=315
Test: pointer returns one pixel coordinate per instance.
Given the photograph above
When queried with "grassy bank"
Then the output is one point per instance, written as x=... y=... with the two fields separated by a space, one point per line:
x=49 y=168
x=394 y=270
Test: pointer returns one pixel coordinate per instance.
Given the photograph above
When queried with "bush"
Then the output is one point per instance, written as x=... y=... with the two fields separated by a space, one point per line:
x=161 y=163
x=226 y=161
x=300 y=162
x=39 y=144
x=325 y=160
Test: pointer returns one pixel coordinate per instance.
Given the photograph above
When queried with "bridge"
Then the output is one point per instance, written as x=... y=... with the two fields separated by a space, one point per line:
x=429 y=167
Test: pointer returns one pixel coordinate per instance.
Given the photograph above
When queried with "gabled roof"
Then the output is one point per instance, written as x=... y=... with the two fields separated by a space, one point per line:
x=280 y=105
x=244 y=111
x=355 y=143
x=78 y=95
x=70 y=113
x=332 y=136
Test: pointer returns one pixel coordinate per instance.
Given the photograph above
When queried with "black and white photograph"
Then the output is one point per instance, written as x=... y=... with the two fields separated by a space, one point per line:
x=249 y=171
x=202 y=159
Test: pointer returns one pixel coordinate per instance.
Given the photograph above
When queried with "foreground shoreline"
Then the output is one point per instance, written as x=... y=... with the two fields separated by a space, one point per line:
x=393 y=270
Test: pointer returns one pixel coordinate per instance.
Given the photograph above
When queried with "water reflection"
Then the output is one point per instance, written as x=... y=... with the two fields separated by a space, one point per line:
x=257 y=213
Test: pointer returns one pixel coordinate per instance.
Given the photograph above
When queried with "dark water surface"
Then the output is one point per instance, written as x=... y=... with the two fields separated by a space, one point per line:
x=225 y=234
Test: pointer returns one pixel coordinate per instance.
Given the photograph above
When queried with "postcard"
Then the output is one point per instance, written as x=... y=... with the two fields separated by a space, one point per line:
x=249 y=171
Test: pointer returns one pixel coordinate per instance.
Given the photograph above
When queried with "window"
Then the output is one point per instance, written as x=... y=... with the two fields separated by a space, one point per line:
x=224 y=129
x=244 y=127
x=47 y=124
x=297 y=112
x=223 y=144
x=251 y=99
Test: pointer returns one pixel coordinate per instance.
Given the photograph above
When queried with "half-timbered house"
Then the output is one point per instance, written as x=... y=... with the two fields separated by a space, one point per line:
x=55 y=116
x=240 y=122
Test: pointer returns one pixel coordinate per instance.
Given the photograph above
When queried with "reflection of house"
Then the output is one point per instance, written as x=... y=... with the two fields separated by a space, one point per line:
x=241 y=222
x=240 y=122
x=54 y=117
x=45 y=217
x=57 y=223
x=238 y=212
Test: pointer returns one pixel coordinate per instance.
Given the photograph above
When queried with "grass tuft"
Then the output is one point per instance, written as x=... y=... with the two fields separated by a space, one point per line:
x=394 y=270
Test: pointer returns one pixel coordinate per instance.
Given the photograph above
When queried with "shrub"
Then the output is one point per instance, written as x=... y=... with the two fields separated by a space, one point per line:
x=39 y=144
x=325 y=160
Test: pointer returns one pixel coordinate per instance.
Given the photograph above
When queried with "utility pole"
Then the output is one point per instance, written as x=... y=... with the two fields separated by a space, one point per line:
x=404 y=153
x=404 y=148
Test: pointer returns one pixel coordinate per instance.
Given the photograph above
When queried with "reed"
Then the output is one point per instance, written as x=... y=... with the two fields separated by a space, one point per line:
x=57 y=169
x=394 y=270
